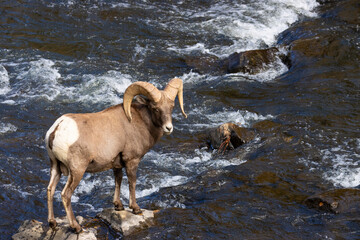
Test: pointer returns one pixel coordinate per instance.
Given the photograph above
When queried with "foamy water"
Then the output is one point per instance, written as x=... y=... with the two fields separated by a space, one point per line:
x=345 y=172
x=340 y=164
x=250 y=25
x=7 y=128
x=41 y=79
x=4 y=81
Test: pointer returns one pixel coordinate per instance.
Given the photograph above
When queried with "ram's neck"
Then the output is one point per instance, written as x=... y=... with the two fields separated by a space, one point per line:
x=155 y=132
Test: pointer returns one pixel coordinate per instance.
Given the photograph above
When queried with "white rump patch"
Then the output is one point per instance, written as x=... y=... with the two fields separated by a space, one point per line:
x=67 y=133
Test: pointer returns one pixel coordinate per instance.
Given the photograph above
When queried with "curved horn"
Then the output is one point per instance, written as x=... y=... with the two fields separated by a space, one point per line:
x=173 y=88
x=139 y=88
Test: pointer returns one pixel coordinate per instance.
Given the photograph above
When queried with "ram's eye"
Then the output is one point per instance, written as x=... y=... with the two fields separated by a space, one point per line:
x=156 y=110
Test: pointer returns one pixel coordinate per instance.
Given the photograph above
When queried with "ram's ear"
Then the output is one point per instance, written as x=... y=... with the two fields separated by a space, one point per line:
x=142 y=100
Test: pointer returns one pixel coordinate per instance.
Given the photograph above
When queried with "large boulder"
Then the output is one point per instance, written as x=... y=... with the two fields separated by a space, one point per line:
x=251 y=62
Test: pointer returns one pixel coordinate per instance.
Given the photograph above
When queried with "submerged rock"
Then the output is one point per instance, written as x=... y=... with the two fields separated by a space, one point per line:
x=206 y=64
x=229 y=136
x=34 y=230
x=124 y=222
x=336 y=201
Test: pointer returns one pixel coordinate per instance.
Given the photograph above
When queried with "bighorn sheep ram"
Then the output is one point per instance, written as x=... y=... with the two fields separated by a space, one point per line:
x=116 y=137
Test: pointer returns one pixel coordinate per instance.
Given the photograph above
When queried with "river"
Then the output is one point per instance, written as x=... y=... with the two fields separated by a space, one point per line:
x=67 y=56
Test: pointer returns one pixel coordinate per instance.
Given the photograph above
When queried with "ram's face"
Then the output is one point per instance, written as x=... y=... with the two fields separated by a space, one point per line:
x=161 y=114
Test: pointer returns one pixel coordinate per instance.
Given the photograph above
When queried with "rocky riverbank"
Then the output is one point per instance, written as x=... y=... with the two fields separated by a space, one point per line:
x=124 y=222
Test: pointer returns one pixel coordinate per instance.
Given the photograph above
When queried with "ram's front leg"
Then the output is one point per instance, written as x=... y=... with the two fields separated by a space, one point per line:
x=118 y=173
x=131 y=169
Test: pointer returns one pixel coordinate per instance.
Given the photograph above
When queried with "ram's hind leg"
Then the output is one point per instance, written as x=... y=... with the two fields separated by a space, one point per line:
x=55 y=175
x=75 y=175
x=118 y=173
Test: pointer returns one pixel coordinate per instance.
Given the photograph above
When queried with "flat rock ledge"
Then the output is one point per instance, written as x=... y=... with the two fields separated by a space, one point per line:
x=125 y=221
x=122 y=221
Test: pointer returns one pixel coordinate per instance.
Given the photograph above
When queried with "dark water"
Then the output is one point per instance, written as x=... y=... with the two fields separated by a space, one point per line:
x=79 y=56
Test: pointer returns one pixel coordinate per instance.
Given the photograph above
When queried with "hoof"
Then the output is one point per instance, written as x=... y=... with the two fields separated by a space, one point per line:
x=52 y=224
x=118 y=207
x=78 y=229
x=137 y=211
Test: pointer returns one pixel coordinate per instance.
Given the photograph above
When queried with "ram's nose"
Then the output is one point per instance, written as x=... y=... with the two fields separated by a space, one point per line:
x=168 y=128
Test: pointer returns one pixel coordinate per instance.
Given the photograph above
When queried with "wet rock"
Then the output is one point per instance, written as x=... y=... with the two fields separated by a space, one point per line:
x=317 y=44
x=34 y=230
x=251 y=62
x=336 y=201
x=350 y=11
x=267 y=126
x=125 y=221
x=315 y=47
x=266 y=177
x=208 y=64
x=229 y=136
x=347 y=11
x=270 y=129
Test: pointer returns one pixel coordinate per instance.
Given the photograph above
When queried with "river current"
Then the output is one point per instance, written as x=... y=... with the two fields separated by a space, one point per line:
x=65 y=56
